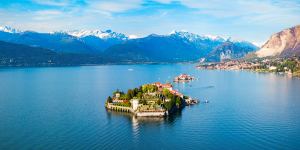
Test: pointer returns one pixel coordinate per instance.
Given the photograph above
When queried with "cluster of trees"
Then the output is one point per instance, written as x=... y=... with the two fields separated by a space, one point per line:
x=282 y=65
x=136 y=92
x=149 y=88
x=175 y=101
x=289 y=64
x=131 y=93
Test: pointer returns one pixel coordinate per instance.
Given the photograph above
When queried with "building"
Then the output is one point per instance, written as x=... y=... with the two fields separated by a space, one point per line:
x=176 y=93
x=117 y=95
x=135 y=104
x=272 y=68
x=161 y=86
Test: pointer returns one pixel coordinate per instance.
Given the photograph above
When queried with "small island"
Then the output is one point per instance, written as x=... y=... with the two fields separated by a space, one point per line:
x=149 y=100
x=183 y=78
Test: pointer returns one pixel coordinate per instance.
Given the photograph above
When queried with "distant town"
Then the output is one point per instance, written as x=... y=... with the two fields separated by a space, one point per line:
x=289 y=66
x=149 y=100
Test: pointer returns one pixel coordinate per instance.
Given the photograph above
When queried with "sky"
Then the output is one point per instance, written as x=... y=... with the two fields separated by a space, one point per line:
x=251 y=20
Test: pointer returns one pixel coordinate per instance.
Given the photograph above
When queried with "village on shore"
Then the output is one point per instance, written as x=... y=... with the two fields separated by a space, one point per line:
x=149 y=100
x=290 y=66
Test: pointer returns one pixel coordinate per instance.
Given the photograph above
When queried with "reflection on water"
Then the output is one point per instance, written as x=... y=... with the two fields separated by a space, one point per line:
x=137 y=121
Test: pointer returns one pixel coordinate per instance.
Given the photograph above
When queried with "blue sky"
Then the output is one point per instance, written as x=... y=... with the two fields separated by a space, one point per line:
x=252 y=20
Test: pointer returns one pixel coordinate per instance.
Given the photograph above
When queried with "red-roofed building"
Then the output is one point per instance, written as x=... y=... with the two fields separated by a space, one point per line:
x=163 y=86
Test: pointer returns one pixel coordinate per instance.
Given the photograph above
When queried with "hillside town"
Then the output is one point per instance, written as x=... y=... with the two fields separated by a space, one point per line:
x=154 y=100
x=289 y=66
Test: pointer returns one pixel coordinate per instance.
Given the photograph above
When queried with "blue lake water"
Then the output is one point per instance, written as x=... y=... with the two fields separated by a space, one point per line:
x=63 y=108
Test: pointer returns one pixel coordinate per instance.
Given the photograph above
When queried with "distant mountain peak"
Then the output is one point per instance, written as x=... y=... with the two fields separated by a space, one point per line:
x=192 y=37
x=107 y=34
x=9 y=29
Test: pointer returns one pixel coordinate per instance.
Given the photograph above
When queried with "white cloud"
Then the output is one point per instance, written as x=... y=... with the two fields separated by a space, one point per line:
x=115 y=6
x=49 y=12
x=254 y=11
x=238 y=19
x=46 y=14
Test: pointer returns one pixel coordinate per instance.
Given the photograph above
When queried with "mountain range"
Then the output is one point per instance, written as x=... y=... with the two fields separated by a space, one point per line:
x=22 y=55
x=113 y=47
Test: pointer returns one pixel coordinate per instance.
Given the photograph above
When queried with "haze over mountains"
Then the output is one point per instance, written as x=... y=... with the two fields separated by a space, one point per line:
x=178 y=46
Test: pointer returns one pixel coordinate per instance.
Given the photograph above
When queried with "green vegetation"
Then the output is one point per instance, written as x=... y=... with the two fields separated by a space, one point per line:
x=109 y=99
x=149 y=88
x=124 y=104
x=291 y=65
x=287 y=65
x=149 y=96
x=174 y=102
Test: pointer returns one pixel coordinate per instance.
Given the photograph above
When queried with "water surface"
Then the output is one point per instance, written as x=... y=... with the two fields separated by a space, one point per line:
x=63 y=108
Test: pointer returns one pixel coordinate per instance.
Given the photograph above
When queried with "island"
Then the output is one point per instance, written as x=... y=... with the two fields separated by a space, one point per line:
x=149 y=100
x=183 y=78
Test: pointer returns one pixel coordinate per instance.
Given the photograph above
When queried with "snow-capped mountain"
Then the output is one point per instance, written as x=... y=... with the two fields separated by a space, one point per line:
x=80 y=41
x=195 y=37
x=107 y=34
x=9 y=29
x=174 y=47
x=179 y=46
x=99 y=40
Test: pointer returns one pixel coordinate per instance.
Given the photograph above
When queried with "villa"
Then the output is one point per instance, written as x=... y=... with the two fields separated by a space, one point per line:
x=154 y=99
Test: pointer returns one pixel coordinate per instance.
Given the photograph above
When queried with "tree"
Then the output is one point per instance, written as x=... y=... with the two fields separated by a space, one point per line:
x=168 y=105
x=144 y=89
x=135 y=92
x=140 y=89
x=159 y=102
x=149 y=88
x=178 y=101
x=139 y=95
x=109 y=99
x=130 y=94
x=166 y=92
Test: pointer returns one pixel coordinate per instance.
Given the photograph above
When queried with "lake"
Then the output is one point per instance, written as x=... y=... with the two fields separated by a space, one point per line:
x=63 y=108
